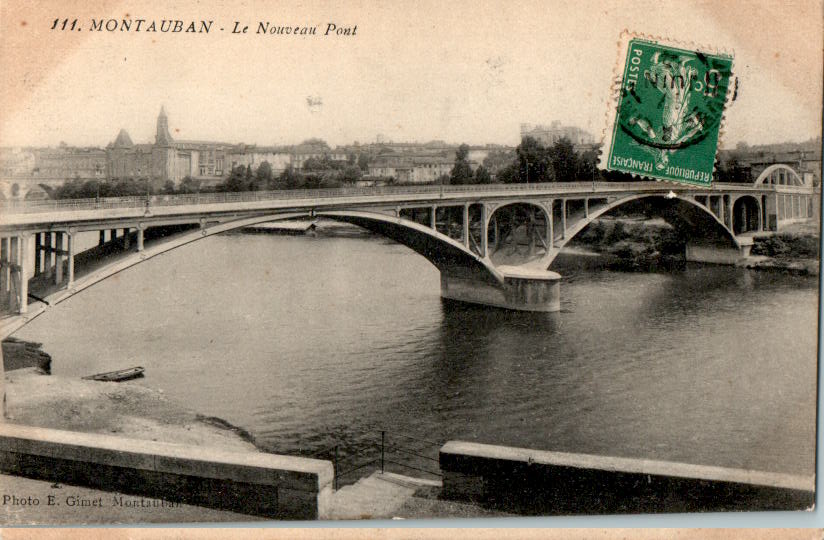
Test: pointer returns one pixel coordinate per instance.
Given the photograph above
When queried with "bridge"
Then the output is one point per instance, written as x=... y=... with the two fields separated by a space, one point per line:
x=462 y=230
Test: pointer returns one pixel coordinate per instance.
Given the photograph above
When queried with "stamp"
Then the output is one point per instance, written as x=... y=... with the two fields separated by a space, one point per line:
x=666 y=118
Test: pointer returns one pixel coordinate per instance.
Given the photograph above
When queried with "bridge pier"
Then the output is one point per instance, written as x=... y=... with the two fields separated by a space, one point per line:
x=70 y=241
x=4 y=272
x=524 y=289
x=718 y=254
x=38 y=253
x=563 y=218
x=58 y=259
x=14 y=273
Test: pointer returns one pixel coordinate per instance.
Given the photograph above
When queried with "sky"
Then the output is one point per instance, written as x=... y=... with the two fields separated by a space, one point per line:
x=460 y=71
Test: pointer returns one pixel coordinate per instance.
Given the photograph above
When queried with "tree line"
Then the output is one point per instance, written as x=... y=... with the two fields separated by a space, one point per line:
x=533 y=162
x=530 y=162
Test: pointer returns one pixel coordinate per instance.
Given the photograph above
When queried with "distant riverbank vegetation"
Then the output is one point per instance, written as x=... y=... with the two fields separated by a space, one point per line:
x=634 y=243
x=788 y=246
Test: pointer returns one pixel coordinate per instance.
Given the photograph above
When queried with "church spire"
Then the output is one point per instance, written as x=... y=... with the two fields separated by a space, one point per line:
x=163 y=137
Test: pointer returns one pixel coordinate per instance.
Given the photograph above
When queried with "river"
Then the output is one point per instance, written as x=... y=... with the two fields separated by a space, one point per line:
x=311 y=342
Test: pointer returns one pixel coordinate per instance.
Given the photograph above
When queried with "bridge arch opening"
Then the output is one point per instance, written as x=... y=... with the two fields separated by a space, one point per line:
x=518 y=232
x=779 y=175
x=746 y=214
x=691 y=222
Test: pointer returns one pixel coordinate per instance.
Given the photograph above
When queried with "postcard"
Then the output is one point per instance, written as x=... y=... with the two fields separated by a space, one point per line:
x=278 y=261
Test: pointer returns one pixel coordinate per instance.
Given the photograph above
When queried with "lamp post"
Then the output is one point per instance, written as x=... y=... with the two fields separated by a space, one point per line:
x=527 y=170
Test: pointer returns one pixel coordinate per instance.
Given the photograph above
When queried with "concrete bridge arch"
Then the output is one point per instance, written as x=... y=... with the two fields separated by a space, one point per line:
x=445 y=253
x=779 y=175
x=683 y=212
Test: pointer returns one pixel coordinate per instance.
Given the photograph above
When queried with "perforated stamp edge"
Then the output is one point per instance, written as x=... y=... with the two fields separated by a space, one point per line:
x=614 y=99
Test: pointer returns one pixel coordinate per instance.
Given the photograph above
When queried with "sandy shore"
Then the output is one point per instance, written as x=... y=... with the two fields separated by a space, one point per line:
x=124 y=408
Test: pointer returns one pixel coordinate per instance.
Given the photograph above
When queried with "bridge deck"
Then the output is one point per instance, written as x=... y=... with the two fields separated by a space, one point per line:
x=22 y=213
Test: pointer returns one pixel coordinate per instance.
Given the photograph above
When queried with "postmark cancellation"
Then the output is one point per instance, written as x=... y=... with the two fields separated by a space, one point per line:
x=666 y=113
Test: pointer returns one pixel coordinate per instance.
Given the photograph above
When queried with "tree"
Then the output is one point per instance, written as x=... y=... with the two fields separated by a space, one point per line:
x=461 y=172
x=169 y=187
x=236 y=180
x=564 y=161
x=290 y=179
x=482 y=176
x=330 y=179
x=587 y=166
x=497 y=160
x=189 y=185
x=509 y=174
x=313 y=164
x=363 y=161
x=350 y=174
x=533 y=160
x=249 y=180
x=320 y=143
x=264 y=175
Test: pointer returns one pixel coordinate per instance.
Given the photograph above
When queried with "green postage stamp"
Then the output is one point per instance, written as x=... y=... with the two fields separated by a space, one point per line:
x=665 y=121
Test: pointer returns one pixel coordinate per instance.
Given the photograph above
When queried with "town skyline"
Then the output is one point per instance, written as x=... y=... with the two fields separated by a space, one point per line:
x=378 y=139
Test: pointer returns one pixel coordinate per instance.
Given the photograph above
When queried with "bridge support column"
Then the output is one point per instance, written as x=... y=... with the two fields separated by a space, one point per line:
x=102 y=239
x=777 y=210
x=721 y=214
x=484 y=231
x=433 y=218
x=23 y=274
x=2 y=387
x=70 y=241
x=140 y=238
x=466 y=225
x=126 y=239
x=58 y=258
x=563 y=219
x=38 y=252
x=12 y=262
x=550 y=224
x=48 y=252
x=5 y=272
x=524 y=289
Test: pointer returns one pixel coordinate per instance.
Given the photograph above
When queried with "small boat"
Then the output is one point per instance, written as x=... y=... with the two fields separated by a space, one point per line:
x=117 y=376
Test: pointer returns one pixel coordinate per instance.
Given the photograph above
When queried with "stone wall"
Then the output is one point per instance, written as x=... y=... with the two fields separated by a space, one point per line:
x=536 y=482
x=280 y=487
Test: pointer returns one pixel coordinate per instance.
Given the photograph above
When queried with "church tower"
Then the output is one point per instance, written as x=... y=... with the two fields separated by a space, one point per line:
x=163 y=152
x=163 y=138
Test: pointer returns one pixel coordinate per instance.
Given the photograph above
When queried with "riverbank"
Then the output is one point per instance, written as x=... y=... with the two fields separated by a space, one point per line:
x=37 y=399
x=322 y=228
x=649 y=245
x=126 y=409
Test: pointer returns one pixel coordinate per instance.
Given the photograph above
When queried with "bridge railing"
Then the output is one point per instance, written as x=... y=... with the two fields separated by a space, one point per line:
x=31 y=206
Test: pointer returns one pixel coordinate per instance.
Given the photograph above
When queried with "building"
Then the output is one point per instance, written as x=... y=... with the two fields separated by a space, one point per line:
x=411 y=169
x=549 y=135
x=16 y=162
x=314 y=148
x=803 y=157
x=167 y=159
x=53 y=165
x=253 y=156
